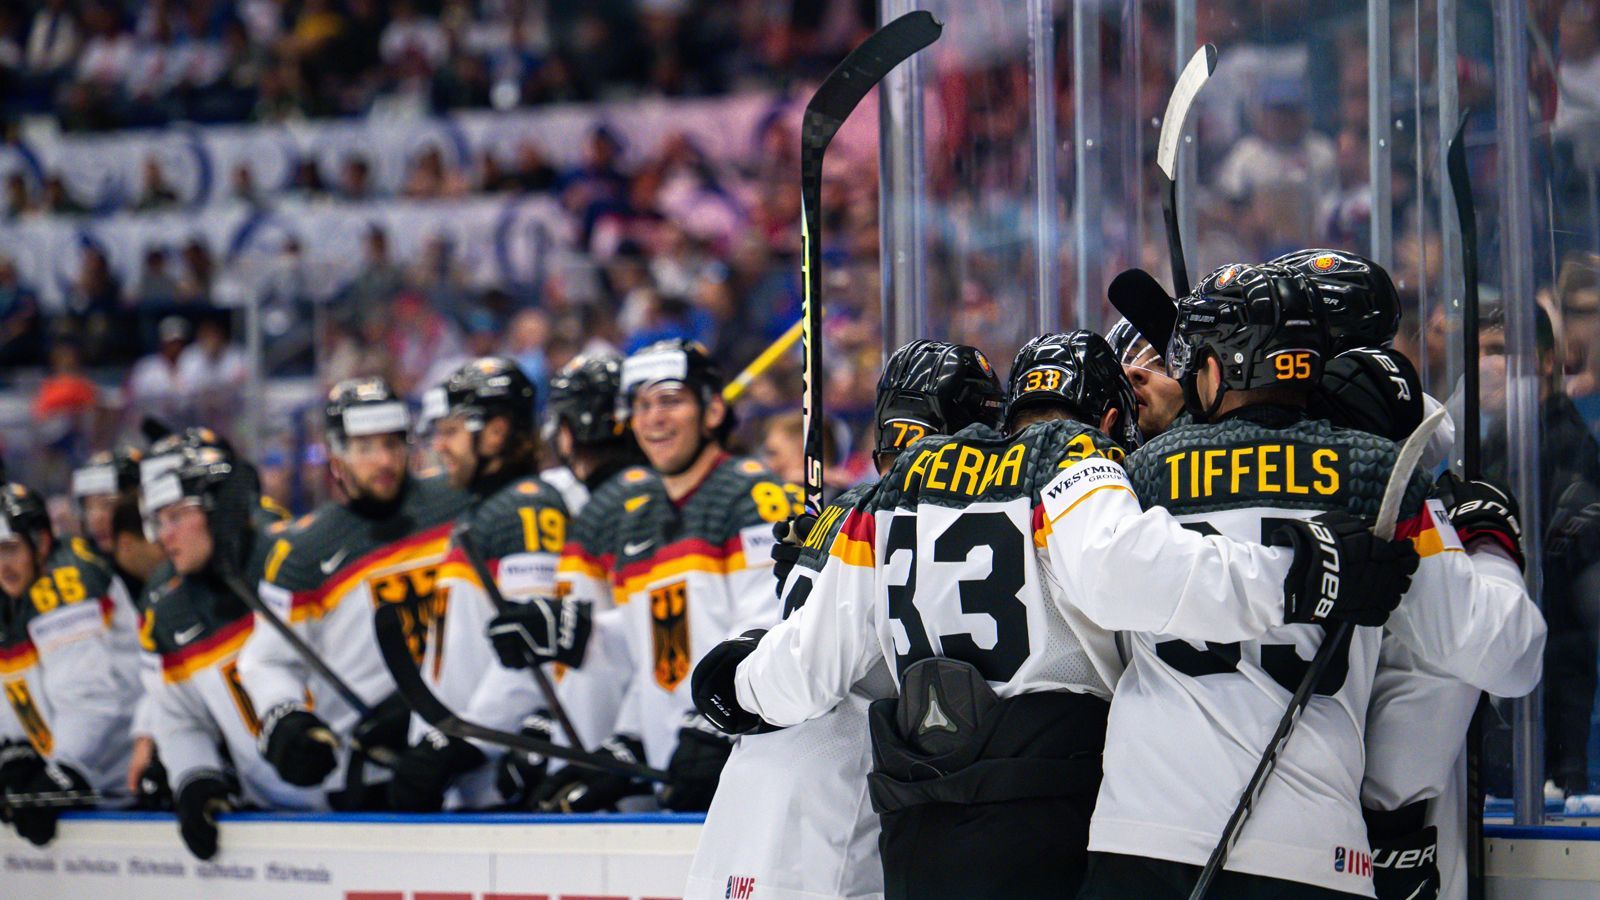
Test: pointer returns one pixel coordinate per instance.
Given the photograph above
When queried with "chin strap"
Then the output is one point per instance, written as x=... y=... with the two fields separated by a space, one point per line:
x=1191 y=398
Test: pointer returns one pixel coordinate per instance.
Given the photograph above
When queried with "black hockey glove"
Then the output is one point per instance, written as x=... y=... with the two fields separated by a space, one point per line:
x=19 y=762
x=1373 y=390
x=518 y=775
x=425 y=771
x=1482 y=509
x=1342 y=571
x=712 y=688
x=153 y=792
x=299 y=745
x=696 y=766
x=791 y=536
x=36 y=822
x=577 y=789
x=542 y=630
x=388 y=725
x=201 y=797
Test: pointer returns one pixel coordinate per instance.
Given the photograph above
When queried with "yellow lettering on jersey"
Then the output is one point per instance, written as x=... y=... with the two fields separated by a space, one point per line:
x=1010 y=472
x=241 y=700
x=28 y=715
x=542 y=529
x=941 y=464
x=822 y=527
x=969 y=464
x=280 y=552
x=1328 y=478
x=1273 y=468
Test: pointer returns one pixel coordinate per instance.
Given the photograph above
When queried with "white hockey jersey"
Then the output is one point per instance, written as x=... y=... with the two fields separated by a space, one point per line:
x=791 y=818
x=69 y=664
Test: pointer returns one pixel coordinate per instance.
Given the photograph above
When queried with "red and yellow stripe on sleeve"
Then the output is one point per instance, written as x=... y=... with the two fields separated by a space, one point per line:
x=856 y=540
x=183 y=663
x=322 y=599
x=1423 y=531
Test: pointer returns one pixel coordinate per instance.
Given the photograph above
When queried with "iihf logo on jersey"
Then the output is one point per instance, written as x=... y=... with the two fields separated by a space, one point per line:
x=1351 y=861
x=740 y=887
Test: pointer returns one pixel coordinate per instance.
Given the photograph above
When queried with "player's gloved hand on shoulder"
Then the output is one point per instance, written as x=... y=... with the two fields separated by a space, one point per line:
x=298 y=744
x=544 y=629
x=62 y=786
x=712 y=686
x=201 y=797
x=1483 y=509
x=518 y=775
x=581 y=789
x=1342 y=571
x=388 y=725
x=425 y=771
x=791 y=535
x=696 y=766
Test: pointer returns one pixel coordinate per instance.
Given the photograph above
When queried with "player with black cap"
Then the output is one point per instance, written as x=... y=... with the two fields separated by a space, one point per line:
x=324 y=575
x=791 y=809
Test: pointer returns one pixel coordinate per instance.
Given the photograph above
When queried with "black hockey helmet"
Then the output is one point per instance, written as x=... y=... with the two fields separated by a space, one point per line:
x=1078 y=370
x=676 y=359
x=488 y=387
x=1263 y=323
x=934 y=387
x=23 y=514
x=583 y=396
x=1131 y=348
x=361 y=406
x=108 y=472
x=222 y=486
x=164 y=453
x=1362 y=305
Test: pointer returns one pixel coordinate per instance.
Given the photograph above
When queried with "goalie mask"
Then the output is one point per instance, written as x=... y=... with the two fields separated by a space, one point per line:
x=1358 y=297
x=1079 y=371
x=1264 y=324
x=934 y=387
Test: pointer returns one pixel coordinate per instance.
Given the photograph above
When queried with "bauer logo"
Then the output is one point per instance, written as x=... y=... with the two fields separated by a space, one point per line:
x=1350 y=861
x=740 y=887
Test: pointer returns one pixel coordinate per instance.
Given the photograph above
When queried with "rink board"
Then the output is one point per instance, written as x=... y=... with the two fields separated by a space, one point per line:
x=511 y=857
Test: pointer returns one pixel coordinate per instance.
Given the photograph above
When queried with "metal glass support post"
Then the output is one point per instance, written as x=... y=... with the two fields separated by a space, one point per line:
x=902 y=187
x=1380 y=131
x=1184 y=42
x=1450 y=290
x=1522 y=371
x=1087 y=151
x=1042 y=86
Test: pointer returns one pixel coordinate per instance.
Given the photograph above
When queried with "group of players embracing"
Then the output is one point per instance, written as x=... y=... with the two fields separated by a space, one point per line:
x=1045 y=652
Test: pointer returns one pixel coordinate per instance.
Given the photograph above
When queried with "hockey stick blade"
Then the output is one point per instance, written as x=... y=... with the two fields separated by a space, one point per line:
x=51 y=799
x=383 y=756
x=1337 y=642
x=424 y=702
x=1193 y=77
x=1147 y=306
x=838 y=95
x=462 y=538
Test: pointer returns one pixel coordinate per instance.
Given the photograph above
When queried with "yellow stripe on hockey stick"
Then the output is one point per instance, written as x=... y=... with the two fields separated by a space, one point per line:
x=762 y=363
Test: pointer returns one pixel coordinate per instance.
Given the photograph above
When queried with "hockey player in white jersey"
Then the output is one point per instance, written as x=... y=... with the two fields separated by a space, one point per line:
x=813 y=833
x=484 y=436
x=1248 y=348
x=693 y=567
x=204 y=724
x=990 y=571
x=323 y=576
x=69 y=665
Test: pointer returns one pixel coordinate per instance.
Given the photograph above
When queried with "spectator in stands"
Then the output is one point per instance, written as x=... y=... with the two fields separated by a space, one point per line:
x=18 y=201
x=93 y=303
x=783 y=447
x=211 y=374
x=431 y=179
x=379 y=278
x=153 y=387
x=411 y=34
x=422 y=343
x=155 y=286
x=1283 y=148
x=527 y=342
x=199 y=271
x=19 y=319
x=157 y=193
x=53 y=39
x=58 y=200
x=63 y=408
x=307 y=179
x=242 y=186
x=355 y=179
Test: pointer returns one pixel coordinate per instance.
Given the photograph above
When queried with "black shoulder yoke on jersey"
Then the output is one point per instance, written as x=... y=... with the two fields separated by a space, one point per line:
x=71 y=574
x=1269 y=456
x=981 y=464
x=525 y=516
x=185 y=613
x=820 y=540
x=325 y=543
x=594 y=534
x=737 y=494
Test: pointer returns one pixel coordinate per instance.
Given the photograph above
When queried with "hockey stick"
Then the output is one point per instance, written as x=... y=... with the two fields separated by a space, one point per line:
x=735 y=389
x=1147 y=306
x=1405 y=465
x=383 y=756
x=45 y=799
x=836 y=97
x=1190 y=81
x=425 y=703
x=1471 y=463
x=462 y=538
